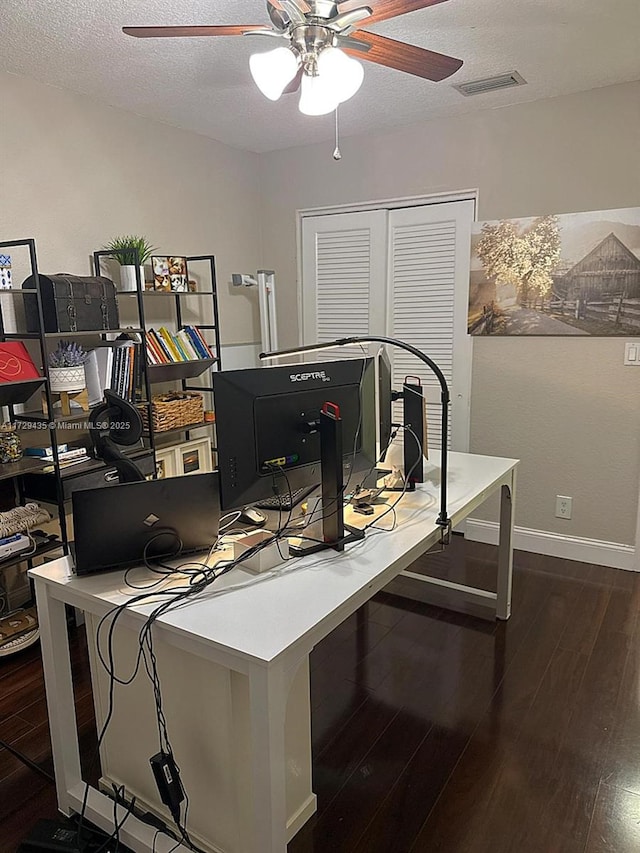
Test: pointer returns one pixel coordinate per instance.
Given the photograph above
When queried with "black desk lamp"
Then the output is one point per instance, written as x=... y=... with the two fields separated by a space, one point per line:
x=112 y=423
x=443 y=519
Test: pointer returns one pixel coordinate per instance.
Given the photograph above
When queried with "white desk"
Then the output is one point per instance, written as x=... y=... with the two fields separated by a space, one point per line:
x=251 y=647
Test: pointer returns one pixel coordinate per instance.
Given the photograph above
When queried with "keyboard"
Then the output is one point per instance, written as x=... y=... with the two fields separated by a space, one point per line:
x=287 y=500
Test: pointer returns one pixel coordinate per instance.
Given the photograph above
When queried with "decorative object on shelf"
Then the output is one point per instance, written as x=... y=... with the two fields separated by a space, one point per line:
x=16 y=365
x=166 y=463
x=194 y=457
x=192 y=286
x=7 y=304
x=66 y=367
x=170 y=274
x=130 y=250
x=5 y=272
x=10 y=444
x=209 y=417
x=71 y=303
x=18 y=630
x=174 y=411
x=22 y=518
x=66 y=376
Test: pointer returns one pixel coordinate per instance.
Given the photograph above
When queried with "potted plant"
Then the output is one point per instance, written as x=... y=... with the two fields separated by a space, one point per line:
x=128 y=251
x=66 y=367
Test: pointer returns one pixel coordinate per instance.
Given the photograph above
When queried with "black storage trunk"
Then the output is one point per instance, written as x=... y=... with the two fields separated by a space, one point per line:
x=72 y=303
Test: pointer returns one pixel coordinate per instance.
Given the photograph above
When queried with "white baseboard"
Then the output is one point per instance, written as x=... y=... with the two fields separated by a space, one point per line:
x=556 y=545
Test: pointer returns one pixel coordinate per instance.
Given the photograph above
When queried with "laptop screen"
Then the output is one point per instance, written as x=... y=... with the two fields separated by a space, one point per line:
x=115 y=526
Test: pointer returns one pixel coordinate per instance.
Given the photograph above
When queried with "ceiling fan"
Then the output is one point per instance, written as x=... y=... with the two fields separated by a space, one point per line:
x=319 y=39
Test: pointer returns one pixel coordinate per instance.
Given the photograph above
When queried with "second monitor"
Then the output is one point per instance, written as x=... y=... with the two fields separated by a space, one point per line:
x=266 y=425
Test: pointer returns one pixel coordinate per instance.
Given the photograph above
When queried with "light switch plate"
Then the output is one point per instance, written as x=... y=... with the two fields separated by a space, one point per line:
x=632 y=353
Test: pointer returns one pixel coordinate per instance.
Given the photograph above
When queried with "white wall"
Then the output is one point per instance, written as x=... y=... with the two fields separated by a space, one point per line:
x=75 y=173
x=565 y=406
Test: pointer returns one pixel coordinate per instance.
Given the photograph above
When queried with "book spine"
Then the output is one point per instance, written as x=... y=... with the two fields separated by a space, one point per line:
x=161 y=345
x=184 y=355
x=197 y=343
x=115 y=364
x=43 y=451
x=187 y=345
x=208 y=349
x=166 y=336
x=151 y=356
x=137 y=382
x=132 y=374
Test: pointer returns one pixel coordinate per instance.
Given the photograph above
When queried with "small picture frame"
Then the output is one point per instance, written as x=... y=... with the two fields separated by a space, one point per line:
x=194 y=457
x=166 y=463
x=170 y=274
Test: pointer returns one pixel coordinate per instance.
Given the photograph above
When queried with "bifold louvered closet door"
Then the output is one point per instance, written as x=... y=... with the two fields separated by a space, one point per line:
x=402 y=273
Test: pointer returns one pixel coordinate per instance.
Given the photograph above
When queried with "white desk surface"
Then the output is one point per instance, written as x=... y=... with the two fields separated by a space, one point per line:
x=272 y=612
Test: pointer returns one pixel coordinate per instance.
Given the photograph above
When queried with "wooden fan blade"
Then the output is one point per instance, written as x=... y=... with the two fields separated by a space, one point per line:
x=189 y=32
x=301 y=4
x=385 y=9
x=404 y=57
x=295 y=84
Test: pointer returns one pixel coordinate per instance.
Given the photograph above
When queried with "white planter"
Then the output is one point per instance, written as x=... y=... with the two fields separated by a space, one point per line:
x=128 y=278
x=66 y=378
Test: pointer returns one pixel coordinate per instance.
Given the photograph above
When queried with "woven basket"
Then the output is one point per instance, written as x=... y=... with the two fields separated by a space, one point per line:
x=173 y=411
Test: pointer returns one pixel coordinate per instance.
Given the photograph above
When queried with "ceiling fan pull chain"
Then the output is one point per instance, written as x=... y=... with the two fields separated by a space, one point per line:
x=336 y=151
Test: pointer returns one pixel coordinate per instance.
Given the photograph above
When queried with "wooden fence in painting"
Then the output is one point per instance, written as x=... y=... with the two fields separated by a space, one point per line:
x=615 y=310
x=483 y=325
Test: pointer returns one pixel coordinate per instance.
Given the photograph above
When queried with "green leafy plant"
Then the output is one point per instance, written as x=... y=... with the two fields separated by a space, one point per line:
x=67 y=354
x=124 y=249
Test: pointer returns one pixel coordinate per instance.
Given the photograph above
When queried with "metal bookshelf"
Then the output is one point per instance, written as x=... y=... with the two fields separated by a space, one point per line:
x=184 y=371
x=14 y=393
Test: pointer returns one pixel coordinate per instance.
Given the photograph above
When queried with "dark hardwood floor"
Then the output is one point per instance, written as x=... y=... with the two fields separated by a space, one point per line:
x=435 y=731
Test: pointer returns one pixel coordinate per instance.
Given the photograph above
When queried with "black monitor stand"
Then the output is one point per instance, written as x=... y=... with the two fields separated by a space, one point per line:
x=335 y=533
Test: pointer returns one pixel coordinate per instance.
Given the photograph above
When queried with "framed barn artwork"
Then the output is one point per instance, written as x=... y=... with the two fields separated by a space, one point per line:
x=570 y=274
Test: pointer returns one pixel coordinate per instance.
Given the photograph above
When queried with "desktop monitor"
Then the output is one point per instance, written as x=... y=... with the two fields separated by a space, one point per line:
x=266 y=418
x=383 y=402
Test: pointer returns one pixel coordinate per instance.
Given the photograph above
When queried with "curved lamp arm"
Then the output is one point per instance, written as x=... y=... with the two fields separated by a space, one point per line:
x=443 y=519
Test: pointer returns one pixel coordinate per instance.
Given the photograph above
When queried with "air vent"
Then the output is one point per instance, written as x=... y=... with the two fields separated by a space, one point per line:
x=491 y=84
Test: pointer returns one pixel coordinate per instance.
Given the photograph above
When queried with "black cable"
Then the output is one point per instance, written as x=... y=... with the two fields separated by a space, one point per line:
x=176 y=596
x=27 y=761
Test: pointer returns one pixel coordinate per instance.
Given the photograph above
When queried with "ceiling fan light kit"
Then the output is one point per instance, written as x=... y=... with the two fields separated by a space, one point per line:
x=273 y=71
x=319 y=39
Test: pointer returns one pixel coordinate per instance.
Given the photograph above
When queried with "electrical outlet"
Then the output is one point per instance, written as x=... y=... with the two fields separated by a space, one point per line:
x=563 y=506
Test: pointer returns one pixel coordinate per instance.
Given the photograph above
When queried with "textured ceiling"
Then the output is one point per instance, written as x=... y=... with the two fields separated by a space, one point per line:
x=204 y=84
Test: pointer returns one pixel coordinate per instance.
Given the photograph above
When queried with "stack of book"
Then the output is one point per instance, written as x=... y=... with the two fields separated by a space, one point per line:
x=188 y=344
x=67 y=456
x=118 y=368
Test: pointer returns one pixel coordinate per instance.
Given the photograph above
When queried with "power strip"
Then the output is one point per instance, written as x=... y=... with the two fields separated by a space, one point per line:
x=13 y=545
x=52 y=835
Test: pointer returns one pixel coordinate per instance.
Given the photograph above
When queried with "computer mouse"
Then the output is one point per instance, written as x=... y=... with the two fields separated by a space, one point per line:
x=252 y=515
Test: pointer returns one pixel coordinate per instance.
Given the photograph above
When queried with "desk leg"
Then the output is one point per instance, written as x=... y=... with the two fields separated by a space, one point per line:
x=268 y=705
x=58 y=683
x=505 y=549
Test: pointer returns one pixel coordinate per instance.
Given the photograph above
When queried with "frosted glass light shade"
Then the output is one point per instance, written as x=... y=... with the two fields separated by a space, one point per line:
x=344 y=74
x=319 y=96
x=273 y=71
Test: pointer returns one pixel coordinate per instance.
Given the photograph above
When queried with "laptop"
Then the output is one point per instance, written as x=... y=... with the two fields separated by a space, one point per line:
x=114 y=525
